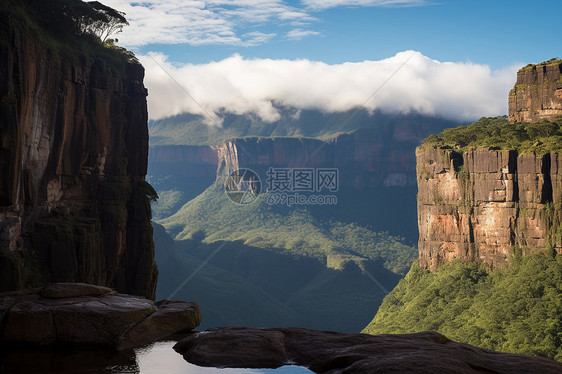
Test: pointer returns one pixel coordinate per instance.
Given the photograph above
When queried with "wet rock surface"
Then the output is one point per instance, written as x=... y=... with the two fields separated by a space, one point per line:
x=333 y=352
x=105 y=318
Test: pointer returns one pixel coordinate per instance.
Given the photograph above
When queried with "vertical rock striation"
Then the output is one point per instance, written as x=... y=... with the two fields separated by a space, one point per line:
x=487 y=205
x=73 y=158
x=537 y=95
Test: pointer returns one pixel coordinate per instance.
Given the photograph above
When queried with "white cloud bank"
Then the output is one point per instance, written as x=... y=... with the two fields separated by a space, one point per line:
x=450 y=89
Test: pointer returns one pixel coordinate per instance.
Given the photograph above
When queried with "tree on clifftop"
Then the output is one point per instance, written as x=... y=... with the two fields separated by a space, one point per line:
x=64 y=17
x=102 y=21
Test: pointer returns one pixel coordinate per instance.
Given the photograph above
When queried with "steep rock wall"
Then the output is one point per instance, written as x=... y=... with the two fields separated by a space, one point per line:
x=487 y=205
x=373 y=157
x=537 y=95
x=73 y=157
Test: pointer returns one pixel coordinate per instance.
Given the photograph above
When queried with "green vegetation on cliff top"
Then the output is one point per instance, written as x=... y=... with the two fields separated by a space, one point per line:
x=552 y=61
x=69 y=30
x=497 y=133
x=517 y=309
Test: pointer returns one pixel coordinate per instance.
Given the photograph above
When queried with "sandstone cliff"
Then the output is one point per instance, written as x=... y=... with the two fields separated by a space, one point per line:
x=73 y=158
x=375 y=157
x=537 y=94
x=487 y=205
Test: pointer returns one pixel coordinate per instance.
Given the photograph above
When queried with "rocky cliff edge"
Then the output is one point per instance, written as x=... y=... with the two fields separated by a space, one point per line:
x=73 y=158
x=537 y=94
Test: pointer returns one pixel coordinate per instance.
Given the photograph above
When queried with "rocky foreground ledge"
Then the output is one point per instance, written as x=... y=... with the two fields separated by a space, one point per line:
x=332 y=352
x=83 y=313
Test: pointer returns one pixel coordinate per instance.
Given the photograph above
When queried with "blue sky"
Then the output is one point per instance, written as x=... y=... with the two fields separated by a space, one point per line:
x=495 y=34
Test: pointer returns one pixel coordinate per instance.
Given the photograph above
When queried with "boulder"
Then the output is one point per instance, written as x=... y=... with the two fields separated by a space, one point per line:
x=171 y=317
x=236 y=347
x=80 y=313
x=29 y=321
x=334 y=352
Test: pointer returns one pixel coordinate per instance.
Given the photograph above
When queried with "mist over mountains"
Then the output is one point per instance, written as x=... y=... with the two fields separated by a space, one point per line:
x=406 y=82
x=193 y=129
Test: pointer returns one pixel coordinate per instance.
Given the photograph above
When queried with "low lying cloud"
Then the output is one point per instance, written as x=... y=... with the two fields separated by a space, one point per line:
x=459 y=90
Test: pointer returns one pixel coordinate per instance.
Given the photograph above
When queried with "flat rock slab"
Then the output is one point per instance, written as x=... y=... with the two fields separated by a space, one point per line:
x=79 y=313
x=66 y=290
x=333 y=352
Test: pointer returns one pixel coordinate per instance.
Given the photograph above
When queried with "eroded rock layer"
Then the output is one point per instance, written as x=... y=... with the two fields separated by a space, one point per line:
x=487 y=205
x=73 y=158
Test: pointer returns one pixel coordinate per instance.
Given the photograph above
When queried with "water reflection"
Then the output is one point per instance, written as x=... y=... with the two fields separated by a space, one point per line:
x=67 y=359
x=157 y=358
x=153 y=358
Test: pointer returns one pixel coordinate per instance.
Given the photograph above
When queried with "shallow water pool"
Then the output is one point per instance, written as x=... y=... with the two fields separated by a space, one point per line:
x=157 y=358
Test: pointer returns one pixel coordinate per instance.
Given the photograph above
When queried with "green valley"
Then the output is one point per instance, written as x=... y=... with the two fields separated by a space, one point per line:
x=317 y=266
x=293 y=268
x=212 y=217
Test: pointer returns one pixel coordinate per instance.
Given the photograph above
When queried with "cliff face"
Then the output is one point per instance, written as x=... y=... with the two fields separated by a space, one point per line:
x=537 y=95
x=375 y=157
x=73 y=157
x=487 y=205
